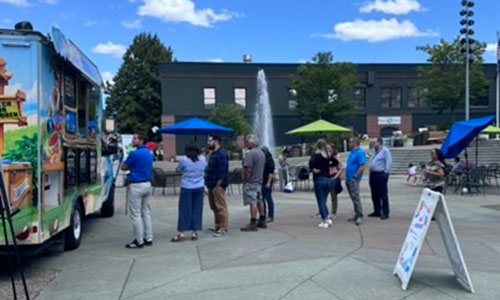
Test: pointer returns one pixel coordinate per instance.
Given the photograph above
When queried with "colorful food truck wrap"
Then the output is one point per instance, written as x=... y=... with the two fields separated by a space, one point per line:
x=19 y=136
x=50 y=134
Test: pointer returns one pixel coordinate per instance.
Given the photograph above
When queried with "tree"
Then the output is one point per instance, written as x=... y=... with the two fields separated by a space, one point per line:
x=228 y=115
x=444 y=78
x=323 y=89
x=134 y=100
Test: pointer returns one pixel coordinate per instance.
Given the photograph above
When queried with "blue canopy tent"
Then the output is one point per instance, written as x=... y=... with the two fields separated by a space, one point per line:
x=461 y=135
x=196 y=126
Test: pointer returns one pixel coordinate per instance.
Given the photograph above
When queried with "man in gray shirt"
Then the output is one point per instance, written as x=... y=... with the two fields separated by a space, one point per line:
x=253 y=165
x=380 y=168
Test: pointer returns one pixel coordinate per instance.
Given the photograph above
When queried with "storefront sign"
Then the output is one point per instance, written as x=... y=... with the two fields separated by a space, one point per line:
x=389 y=120
x=431 y=204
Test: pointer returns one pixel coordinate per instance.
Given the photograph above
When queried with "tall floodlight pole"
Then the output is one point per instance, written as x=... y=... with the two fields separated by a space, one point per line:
x=498 y=83
x=467 y=13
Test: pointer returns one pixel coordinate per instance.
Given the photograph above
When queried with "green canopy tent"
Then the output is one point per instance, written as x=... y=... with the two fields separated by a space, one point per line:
x=319 y=127
x=491 y=130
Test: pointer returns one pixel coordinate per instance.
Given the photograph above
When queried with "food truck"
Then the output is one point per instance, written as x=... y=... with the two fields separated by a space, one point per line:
x=51 y=138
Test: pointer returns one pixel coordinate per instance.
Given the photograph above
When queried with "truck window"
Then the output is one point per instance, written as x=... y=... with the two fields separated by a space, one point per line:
x=93 y=166
x=69 y=90
x=94 y=98
x=83 y=93
x=71 y=165
x=84 y=163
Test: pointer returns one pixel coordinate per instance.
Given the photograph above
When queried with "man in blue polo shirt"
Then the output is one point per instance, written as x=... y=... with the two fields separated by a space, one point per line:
x=354 y=173
x=140 y=165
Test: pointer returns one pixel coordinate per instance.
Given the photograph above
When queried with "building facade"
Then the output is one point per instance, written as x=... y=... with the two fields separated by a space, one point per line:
x=386 y=98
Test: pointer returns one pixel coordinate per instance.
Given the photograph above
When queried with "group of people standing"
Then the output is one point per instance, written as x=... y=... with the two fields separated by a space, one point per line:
x=199 y=172
x=327 y=167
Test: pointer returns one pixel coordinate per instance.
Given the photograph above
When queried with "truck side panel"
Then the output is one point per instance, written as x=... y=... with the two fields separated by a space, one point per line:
x=19 y=122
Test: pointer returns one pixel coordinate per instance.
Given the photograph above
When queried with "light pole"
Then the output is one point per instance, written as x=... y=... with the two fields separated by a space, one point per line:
x=467 y=42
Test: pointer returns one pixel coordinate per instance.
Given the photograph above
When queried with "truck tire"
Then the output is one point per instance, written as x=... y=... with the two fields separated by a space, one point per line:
x=108 y=206
x=73 y=234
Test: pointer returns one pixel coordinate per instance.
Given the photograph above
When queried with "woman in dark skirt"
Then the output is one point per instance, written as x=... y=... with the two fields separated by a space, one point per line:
x=192 y=168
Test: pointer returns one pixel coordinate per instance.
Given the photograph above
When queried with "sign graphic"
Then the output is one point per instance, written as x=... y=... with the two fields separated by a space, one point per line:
x=431 y=204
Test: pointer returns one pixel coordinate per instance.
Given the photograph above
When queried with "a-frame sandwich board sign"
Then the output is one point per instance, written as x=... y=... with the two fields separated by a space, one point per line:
x=431 y=204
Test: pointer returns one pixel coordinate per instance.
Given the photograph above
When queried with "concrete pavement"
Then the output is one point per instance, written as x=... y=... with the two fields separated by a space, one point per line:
x=292 y=259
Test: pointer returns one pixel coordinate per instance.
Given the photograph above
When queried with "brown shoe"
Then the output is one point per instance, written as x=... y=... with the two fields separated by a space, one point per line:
x=252 y=226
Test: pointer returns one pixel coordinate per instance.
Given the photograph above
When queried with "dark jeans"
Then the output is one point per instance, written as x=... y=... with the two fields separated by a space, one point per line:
x=268 y=201
x=380 y=197
x=321 y=190
x=190 y=210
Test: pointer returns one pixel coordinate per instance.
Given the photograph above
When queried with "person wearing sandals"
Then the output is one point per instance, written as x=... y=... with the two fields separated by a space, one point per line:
x=192 y=168
x=267 y=185
x=336 y=168
x=319 y=163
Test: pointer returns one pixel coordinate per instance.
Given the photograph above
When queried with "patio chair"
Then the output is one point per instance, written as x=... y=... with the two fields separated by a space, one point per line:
x=159 y=180
x=473 y=180
x=303 y=177
x=235 y=177
x=492 y=172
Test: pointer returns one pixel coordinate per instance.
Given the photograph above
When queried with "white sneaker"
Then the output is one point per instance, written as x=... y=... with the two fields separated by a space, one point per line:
x=329 y=222
x=323 y=225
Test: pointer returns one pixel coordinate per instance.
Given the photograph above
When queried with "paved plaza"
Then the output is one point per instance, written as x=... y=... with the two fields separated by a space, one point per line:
x=292 y=259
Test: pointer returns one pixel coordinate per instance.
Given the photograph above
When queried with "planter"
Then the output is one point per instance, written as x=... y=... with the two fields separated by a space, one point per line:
x=409 y=142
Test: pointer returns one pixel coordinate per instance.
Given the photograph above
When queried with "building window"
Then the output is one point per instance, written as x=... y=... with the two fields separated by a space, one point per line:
x=417 y=98
x=360 y=97
x=292 y=99
x=209 y=97
x=391 y=97
x=240 y=97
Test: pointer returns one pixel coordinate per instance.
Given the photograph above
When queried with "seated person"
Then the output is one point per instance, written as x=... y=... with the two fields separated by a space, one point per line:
x=457 y=166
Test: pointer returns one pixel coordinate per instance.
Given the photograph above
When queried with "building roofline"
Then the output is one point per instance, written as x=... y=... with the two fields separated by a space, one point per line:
x=294 y=64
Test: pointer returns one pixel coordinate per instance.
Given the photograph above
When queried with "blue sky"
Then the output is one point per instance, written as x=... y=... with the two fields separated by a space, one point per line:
x=270 y=30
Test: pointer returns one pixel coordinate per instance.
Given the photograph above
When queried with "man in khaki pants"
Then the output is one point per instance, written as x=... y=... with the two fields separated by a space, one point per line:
x=140 y=165
x=216 y=180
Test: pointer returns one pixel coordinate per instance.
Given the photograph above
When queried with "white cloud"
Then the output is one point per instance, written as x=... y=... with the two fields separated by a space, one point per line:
x=66 y=15
x=49 y=1
x=90 y=23
x=22 y=3
x=177 y=11
x=132 y=24
x=217 y=60
x=7 y=21
x=375 y=30
x=392 y=7
x=109 y=48
x=108 y=76
x=491 y=47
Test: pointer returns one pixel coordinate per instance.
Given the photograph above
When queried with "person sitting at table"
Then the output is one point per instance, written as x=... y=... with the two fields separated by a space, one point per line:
x=457 y=166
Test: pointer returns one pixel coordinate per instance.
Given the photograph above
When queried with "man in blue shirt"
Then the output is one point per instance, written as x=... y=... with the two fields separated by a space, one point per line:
x=380 y=168
x=216 y=180
x=140 y=165
x=354 y=173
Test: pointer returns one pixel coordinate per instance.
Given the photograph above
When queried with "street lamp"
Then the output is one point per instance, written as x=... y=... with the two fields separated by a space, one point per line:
x=467 y=42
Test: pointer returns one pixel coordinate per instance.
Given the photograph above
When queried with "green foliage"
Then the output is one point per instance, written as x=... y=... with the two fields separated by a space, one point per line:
x=444 y=78
x=324 y=89
x=26 y=151
x=228 y=115
x=135 y=99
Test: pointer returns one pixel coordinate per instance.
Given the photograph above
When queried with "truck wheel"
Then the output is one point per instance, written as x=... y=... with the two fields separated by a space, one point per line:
x=73 y=234
x=108 y=206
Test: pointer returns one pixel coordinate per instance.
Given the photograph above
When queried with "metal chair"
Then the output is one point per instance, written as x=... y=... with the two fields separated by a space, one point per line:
x=235 y=177
x=159 y=180
x=492 y=172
